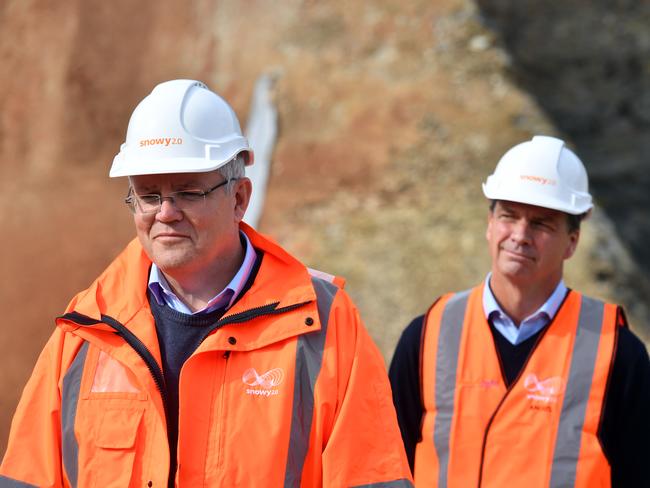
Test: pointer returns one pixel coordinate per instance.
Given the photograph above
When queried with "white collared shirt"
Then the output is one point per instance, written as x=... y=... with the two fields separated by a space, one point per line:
x=531 y=324
x=159 y=286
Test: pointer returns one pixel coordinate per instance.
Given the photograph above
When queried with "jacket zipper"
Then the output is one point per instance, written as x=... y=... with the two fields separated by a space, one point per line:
x=132 y=340
x=222 y=401
x=251 y=313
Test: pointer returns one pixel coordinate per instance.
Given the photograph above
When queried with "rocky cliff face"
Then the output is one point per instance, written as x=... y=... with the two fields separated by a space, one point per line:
x=391 y=113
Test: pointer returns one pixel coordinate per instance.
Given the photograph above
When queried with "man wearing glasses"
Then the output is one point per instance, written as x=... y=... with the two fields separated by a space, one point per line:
x=205 y=355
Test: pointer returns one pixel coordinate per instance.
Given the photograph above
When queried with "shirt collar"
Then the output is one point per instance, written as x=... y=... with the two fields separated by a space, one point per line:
x=548 y=308
x=164 y=295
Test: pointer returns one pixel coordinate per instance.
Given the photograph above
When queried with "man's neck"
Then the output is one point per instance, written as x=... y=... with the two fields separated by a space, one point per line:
x=518 y=300
x=195 y=288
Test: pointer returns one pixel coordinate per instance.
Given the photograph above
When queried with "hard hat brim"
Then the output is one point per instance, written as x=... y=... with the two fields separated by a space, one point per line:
x=122 y=167
x=582 y=202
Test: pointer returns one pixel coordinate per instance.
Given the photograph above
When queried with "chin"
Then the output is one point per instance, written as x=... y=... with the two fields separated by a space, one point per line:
x=170 y=261
x=515 y=271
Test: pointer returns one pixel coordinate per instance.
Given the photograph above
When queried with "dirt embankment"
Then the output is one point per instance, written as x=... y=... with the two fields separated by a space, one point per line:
x=392 y=113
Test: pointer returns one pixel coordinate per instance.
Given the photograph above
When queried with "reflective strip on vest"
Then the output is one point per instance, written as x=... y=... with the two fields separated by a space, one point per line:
x=309 y=357
x=69 y=400
x=11 y=483
x=446 y=365
x=403 y=483
x=583 y=362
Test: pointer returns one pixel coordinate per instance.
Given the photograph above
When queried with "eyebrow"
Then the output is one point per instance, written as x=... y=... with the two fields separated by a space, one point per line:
x=506 y=208
x=543 y=220
x=546 y=217
x=152 y=188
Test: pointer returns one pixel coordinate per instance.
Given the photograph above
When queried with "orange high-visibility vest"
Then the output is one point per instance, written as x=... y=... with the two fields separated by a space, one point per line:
x=539 y=432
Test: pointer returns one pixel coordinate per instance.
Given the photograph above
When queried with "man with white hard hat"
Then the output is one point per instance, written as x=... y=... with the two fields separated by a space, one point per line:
x=521 y=381
x=205 y=354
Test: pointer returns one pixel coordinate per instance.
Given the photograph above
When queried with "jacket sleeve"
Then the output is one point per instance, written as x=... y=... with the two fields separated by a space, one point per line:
x=625 y=427
x=404 y=374
x=33 y=455
x=364 y=445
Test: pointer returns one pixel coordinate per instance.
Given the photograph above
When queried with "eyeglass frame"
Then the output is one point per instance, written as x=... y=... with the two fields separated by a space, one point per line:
x=132 y=199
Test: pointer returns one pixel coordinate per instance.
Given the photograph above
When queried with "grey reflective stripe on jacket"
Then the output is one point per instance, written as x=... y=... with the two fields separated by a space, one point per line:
x=574 y=406
x=403 y=483
x=69 y=400
x=309 y=357
x=451 y=329
x=583 y=362
x=11 y=483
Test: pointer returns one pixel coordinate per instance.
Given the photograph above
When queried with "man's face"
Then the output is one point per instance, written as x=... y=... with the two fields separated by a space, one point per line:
x=184 y=241
x=529 y=244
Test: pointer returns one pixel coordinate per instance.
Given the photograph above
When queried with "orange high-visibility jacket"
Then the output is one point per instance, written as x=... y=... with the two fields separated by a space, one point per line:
x=540 y=432
x=289 y=390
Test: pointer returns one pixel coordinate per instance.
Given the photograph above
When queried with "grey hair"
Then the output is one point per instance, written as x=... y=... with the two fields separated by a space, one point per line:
x=232 y=170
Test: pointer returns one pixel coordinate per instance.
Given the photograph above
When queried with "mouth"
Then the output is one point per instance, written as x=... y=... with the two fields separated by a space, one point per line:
x=518 y=256
x=169 y=237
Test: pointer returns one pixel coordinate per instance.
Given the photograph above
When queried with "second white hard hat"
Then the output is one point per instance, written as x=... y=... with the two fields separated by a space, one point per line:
x=180 y=127
x=541 y=172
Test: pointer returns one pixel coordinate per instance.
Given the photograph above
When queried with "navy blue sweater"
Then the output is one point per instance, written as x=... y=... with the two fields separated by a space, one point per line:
x=179 y=335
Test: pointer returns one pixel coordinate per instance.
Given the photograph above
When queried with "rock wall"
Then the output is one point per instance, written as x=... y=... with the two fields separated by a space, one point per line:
x=391 y=114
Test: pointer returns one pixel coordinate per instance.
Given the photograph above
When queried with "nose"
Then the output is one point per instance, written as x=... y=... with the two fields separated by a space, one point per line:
x=521 y=231
x=168 y=211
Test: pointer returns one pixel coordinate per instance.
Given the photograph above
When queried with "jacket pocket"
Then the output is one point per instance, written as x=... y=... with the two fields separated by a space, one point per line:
x=118 y=428
x=115 y=447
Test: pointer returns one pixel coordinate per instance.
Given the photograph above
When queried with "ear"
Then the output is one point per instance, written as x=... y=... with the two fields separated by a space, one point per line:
x=242 y=197
x=488 y=230
x=574 y=237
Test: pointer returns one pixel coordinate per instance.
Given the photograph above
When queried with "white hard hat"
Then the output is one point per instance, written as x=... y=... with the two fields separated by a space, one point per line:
x=541 y=172
x=180 y=127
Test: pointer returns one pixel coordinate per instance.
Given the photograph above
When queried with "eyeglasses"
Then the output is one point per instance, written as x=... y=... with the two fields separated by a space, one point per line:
x=183 y=200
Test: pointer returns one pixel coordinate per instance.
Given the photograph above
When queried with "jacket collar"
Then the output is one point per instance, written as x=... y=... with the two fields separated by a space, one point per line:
x=120 y=290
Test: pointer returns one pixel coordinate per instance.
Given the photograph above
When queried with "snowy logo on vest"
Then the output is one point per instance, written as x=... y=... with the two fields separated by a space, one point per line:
x=263 y=384
x=546 y=390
